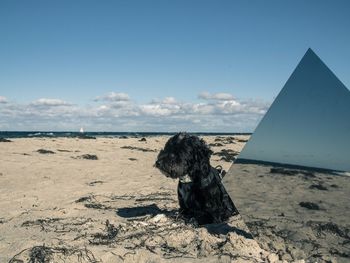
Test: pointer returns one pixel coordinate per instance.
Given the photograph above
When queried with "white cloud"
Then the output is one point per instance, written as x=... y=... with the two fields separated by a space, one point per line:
x=3 y=100
x=215 y=96
x=169 y=100
x=160 y=109
x=50 y=102
x=113 y=96
x=203 y=108
x=120 y=114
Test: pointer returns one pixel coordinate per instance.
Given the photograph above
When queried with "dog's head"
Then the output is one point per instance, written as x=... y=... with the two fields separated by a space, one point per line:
x=183 y=155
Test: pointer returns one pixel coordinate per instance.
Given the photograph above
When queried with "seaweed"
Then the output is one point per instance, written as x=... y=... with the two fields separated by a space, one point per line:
x=330 y=227
x=138 y=149
x=107 y=237
x=43 y=151
x=5 y=140
x=225 y=140
x=62 y=150
x=46 y=254
x=86 y=137
x=318 y=187
x=93 y=183
x=227 y=155
x=88 y=157
x=309 y=205
x=215 y=144
x=281 y=170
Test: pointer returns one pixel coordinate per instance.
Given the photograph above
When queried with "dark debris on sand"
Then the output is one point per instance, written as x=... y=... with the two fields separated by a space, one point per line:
x=285 y=171
x=225 y=140
x=310 y=205
x=86 y=137
x=83 y=199
x=318 y=187
x=93 y=183
x=97 y=206
x=58 y=225
x=227 y=155
x=106 y=237
x=143 y=139
x=138 y=149
x=43 y=151
x=40 y=222
x=46 y=254
x=329 y=227
x=217 y=144
x=88 y=157
x=132 y=159
x=5 y=140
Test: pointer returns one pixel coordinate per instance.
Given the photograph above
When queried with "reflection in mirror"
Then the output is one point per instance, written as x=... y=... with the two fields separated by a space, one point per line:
x=293 y=212
x=291 y=181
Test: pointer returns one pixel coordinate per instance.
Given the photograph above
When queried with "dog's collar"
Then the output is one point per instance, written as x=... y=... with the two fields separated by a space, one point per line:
x=185 y=179
x=221 y=171
x=217 y=171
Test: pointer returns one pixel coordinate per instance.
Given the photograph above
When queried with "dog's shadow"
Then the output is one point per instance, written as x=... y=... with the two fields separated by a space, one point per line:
x=139 y=211
x=153 y=210
x=224 y=229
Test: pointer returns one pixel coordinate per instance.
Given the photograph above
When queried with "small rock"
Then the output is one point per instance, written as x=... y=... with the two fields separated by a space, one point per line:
x=272 y=258
x=160 y=218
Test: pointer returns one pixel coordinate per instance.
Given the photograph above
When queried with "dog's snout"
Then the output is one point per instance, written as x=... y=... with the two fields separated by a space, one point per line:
x=157 y=164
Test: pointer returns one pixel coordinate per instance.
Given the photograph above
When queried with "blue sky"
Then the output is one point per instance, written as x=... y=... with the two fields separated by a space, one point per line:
x=145 y=65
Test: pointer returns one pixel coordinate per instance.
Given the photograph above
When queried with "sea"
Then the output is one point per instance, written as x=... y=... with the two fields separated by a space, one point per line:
x=53 y=134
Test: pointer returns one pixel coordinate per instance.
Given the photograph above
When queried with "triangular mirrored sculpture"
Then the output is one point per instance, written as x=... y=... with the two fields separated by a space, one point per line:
x=308 y=124
x=286 y=182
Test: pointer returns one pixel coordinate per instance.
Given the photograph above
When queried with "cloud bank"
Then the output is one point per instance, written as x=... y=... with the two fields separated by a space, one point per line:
x=219 y=112
x=3 y=99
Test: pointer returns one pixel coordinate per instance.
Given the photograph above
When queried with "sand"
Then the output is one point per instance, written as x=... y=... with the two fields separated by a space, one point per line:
x=113 y=207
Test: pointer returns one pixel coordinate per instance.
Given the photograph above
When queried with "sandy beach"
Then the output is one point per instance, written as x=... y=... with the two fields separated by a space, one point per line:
x=101 y=200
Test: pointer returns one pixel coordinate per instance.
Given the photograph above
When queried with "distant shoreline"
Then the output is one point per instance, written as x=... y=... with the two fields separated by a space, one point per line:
x=69 y=134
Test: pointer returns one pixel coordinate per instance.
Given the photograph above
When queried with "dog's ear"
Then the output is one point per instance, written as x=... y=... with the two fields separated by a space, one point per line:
x=202 y=155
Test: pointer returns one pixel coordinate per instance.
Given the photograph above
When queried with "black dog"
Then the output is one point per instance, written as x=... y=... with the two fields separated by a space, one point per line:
x=200 y=191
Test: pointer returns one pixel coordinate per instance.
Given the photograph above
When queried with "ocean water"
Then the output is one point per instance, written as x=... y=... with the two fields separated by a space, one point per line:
x=31 y=134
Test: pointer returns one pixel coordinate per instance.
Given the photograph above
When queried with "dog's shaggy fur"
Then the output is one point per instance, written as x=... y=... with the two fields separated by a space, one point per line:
x=201 y=193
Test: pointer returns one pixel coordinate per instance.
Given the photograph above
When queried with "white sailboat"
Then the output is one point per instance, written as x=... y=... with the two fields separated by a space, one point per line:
x=81 y=130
